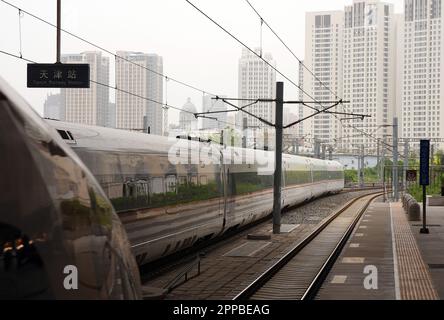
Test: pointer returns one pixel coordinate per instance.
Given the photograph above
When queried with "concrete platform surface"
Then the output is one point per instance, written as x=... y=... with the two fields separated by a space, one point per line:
x=431 y=245
x=386 y=258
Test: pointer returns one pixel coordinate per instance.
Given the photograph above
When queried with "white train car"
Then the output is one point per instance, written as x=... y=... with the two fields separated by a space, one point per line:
x=171 y=193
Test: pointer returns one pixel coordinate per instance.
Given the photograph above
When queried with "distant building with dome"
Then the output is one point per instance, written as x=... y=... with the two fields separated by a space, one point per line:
x=187 y=120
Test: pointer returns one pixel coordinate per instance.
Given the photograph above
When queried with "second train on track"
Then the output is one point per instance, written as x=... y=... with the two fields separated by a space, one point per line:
x=172 y=193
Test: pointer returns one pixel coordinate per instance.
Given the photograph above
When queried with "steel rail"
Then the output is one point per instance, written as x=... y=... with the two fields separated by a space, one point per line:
x=260 y=281
x=316 y=284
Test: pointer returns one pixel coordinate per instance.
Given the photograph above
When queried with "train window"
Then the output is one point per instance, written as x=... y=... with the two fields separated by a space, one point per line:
x=297 y=177
x=157 y=185
x=203 y=180
x=64 y=134
x=171 y=183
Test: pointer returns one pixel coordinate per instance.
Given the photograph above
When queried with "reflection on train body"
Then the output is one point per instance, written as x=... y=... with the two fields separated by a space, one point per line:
x=168 y=205
x=54 y=214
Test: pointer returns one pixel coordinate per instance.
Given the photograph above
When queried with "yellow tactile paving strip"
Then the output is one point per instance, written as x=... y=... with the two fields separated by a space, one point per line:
x=414 y=278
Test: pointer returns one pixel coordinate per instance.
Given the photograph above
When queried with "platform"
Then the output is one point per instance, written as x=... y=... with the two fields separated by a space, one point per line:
x=386 y=258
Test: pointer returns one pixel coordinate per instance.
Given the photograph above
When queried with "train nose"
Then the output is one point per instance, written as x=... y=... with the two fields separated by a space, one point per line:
x=25 y=207
x=54 y=217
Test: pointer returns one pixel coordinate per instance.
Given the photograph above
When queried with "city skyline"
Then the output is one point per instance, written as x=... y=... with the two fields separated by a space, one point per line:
x=183 y=56
x=388 y=91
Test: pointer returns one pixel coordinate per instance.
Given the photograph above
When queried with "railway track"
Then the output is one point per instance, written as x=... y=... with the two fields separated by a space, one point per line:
x=299 y=274
x=164 y=265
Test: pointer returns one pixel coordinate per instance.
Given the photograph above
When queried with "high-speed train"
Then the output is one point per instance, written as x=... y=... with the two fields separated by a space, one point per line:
x=60 y=237
x=171 y=193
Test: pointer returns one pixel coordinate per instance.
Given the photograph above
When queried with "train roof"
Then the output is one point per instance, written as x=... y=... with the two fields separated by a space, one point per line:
x=110 y=139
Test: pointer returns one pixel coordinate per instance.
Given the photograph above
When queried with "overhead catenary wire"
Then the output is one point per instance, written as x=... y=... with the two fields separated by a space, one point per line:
x=118 y=89
x=301 y=62
x=161 y=104
x=279 y=72
x=251 y=50
x=106 y=50
x=21 y=11
x=218 y=120
x=109 y=86
x=303 y=65
x=16 y=56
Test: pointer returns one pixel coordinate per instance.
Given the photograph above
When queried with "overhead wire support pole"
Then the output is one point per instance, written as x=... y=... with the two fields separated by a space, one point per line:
x=249 y=49
x=214 y=112
x=362 y=172
x=405 y=164
x=278 y=159
x=264 y=60
x=313 y=115
x=305 y=103
x=59 y=26
x=249 y=113
x=395 y=159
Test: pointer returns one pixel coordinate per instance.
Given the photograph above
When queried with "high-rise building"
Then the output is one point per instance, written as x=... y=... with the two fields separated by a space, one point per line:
x=422 y=106
x=132 y=111
x=88 y=105
x=323 y=56
x=52 y=109
x=353 y=53
x=256 y=80
x=369 y=72
x=211 y=105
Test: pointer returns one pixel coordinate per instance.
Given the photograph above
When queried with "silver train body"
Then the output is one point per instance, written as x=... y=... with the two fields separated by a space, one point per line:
x=171 y=193
x=60 y=237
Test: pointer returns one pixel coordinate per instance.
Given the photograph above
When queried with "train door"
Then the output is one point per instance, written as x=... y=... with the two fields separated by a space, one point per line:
x=229 y=191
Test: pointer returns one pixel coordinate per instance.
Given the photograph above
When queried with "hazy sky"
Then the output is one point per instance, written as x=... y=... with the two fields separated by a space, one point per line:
x=193 y=49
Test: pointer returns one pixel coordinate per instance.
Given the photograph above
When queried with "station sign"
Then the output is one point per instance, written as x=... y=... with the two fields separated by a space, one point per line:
x=424 y=158
x=411 y=175
x=58 y=75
